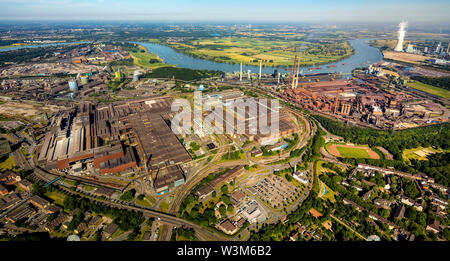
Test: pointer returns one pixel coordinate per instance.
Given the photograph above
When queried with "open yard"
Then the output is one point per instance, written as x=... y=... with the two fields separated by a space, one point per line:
x=57 y=197
x=352 y=151
x=145 y=202
x=405 y=57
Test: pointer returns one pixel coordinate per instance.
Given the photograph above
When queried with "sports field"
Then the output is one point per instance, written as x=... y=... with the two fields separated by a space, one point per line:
x=352 y=151
x=430 y=89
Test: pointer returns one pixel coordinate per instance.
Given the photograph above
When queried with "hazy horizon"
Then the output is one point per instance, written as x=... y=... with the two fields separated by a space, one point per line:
x=292 y=11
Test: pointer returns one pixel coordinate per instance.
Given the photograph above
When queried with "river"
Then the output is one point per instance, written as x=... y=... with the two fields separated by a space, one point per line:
x=364 y=55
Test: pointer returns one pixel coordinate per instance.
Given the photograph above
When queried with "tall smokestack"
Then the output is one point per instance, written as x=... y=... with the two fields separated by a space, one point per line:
x=298 y=70
x=240 y=75
x=401 y=36
x=294 y=73
x=260 y=69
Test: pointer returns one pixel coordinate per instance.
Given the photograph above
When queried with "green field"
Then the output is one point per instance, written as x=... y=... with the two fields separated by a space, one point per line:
x=146 y=202
x=419 y=153
x=8 y=164
x=430 y=89
x=147 y=60
x=353 y=153
x=57 y=197
x=251 y=50
x=329 y=195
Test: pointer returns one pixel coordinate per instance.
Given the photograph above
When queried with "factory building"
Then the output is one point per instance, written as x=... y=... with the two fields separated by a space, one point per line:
x=168 y=178
x=116 y=138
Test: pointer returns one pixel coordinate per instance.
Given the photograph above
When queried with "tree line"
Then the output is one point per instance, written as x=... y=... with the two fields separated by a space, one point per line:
x=441 y=82
x=395 y=142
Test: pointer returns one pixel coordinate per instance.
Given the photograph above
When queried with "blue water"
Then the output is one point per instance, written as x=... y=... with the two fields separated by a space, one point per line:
x=364 y=55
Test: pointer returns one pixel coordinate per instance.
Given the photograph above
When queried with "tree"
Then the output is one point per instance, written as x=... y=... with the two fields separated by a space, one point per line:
x=222 y=210
x=384 y=213
x=224 y=189
x=225 y=199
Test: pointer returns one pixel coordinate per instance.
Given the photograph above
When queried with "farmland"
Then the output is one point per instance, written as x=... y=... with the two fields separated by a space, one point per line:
x=250 y=51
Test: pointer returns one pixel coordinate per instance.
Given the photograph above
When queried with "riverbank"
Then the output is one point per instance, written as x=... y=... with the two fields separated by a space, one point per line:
x=362 y=54
x=147 y=60
x=272 y=53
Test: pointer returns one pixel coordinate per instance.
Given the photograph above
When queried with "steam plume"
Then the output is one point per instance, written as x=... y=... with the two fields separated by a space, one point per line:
x=401 y=36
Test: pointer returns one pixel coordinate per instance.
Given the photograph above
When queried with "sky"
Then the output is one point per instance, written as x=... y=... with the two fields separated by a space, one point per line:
x=228 y=10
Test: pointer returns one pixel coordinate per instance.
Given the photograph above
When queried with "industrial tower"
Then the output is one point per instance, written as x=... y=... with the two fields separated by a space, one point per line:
x=293 y=79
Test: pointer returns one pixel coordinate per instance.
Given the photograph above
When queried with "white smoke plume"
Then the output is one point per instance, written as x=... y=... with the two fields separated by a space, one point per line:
x=401 y=36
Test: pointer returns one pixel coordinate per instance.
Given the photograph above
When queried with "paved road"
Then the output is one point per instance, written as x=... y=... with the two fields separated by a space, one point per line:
x=161 y=217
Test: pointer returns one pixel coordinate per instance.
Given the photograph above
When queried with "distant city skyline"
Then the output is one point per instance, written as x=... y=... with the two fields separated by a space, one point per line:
x=227 y=11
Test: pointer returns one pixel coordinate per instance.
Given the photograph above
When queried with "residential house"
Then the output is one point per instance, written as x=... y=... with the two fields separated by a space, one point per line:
x=110 y=230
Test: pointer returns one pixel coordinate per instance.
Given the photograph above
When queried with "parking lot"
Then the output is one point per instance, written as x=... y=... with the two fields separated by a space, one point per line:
x=275 y=190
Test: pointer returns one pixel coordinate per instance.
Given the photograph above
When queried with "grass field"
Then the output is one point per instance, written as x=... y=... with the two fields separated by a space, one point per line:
x=430 y=89
x=144 y=59
x=57 y=197
x=88 y=188
x=419 y=153
x=271 y=52
x=8 y=164
x=146 y=202
x=164 y=206
x=353 y=152
x=326 y=193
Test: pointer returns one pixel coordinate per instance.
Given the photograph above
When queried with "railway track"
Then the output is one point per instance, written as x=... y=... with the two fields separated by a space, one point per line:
x=160 y=216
